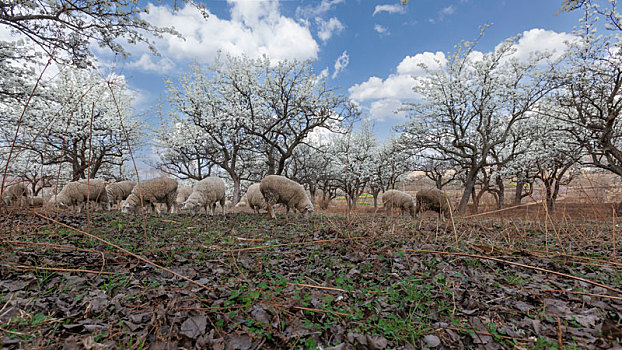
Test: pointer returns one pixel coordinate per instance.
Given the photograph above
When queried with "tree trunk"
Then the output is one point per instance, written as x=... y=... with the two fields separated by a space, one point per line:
x=312 y=190
x=518 y=194
x=469 y=187
x=236 y=190
x=375 y=192
x=501 y=194
x=550 y=198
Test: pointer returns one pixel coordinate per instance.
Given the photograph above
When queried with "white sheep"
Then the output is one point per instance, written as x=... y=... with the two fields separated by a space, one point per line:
x=278 y=189
x=119 y=191
x=158 y=190
x=16 y=194
x=433 y=199
x=254 y=198
x=206 y=193
x=398 y=199
x=77 y=193
x=183 y=192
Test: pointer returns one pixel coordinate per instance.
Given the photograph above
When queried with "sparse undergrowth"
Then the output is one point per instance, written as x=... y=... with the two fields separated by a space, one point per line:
x=359 y=282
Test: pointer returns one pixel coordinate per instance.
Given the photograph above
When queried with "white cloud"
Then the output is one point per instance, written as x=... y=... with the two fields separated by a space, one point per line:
x=323 y=74
x=341 y=63
x=412 y=64
x=395 y=86
x=447 y=11
x=396 y=8
x=328 y=28
x=317 y=11
x=387 y=108
x=542 y=40
x=256 y=28
x=381 y=97
x=398 y=86
x=381 y=30
x=146 y=62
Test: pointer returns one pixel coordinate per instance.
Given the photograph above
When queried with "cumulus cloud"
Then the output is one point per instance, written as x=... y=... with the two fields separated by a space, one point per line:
x=146 y=62
x=256 y=28
x=542 y=40
x=387 y=108
x=328 y=28
x=399 y=85
x=381 y=30
x=341 y=63
x=383 y=96
x=395 y=8
x=412 y=65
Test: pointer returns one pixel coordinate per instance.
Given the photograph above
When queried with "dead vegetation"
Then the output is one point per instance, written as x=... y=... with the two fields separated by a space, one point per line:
x=362 y=281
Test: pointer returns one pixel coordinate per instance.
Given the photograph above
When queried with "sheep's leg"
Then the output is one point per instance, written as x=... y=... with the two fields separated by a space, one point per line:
x=271 y=212
x=222 y=204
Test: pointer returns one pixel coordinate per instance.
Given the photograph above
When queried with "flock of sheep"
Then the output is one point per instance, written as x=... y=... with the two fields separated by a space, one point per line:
x=272 y=190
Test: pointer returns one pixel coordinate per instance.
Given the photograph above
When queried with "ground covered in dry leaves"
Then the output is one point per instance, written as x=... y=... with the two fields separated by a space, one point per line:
x=359 y=282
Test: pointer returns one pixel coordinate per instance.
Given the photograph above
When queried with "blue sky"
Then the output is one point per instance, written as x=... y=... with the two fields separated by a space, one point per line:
x=368 y=49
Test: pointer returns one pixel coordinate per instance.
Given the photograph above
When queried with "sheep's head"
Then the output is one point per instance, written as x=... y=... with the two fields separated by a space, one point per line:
x=191 y=207
x=128 y=208
x=55 y=201
x=307 y=211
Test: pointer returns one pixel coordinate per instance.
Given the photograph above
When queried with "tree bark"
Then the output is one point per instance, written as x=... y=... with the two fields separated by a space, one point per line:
x=469 y=187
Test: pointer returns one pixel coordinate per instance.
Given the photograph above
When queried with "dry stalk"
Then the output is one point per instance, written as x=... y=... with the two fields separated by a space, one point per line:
x=559 y=334
x=129 y=147
x=145 y=260
x=292 y=244
x=19 y=123
x=317 y=287
x=575 y=292
x=524 y=340
x=415 y=251
x=61 y=269
x=318 y=310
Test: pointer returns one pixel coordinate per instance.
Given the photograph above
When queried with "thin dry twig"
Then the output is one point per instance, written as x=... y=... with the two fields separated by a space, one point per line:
x=125 y=251
x=60 y=269
x=415 y=251
x=318 y=310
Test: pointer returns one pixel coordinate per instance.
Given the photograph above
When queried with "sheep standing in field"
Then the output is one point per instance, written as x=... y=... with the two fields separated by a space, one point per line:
x=398 y=199
x=119 y=191
x=158 y=190
x=433 y=199
x=206 y=193
x=183 y=192
x=17 y=194
x=37 y=202
x=77 y=193
x=278 y=189
x=254 y=198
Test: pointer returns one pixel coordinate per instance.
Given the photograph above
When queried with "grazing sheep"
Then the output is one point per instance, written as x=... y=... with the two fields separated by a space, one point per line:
x=17 y=194
x=433 y=199
x=77 y=193
x=183 y=192
x=278 y=189
x=242 y=203
x=119 y=191
x=206 y=193
x=255 y=198
x=398 y=199
x=37 y=202
x=158 y=190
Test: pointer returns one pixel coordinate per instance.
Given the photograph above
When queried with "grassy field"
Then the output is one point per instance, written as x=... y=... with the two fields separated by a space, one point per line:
x=363 y=281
